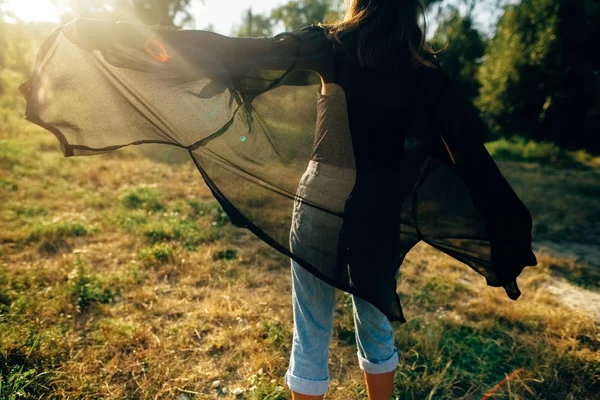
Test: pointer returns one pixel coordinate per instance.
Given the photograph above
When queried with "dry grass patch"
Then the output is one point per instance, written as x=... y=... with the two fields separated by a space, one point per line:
x=150 y=292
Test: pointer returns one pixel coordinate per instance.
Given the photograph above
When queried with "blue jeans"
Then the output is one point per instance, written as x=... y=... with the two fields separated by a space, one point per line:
x=314 y=300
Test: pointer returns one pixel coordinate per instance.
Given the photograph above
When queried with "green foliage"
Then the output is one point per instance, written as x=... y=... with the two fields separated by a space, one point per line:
x=150 y=12
x=131 y=221
x=10 y=154
x=5 y=298
x=184 y=231
x=159 y=253
x=29 y=212
x=20 y=383
x=145 y=198
x=263 y=390
x=536 y=82
x=255 y=25
x=170 y=227
x=522 y=149
x=210 y=208
x=297 y=14
x=157 y=235
x=438 y=292
x=276 y=334
x=87 y=289
x=52 y=237
x=292 y=15
x=465 y=48
x=7 y=184
x=227 y=254
x=445 y=360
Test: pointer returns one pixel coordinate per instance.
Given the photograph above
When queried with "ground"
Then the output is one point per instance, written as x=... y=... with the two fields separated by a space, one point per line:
x=121 y=277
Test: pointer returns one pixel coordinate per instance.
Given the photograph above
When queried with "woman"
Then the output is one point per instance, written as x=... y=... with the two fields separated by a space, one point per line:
x=397 y=155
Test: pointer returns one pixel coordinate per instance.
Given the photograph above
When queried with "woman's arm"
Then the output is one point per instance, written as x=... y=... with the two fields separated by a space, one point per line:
x=199 y=49
x=508 y=220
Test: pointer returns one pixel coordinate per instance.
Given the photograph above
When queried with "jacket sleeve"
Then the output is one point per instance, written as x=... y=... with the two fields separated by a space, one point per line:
x=182 y=52
x=508 y=220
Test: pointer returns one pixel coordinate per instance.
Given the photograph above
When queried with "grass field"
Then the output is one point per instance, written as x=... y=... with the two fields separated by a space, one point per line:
x=121 y=277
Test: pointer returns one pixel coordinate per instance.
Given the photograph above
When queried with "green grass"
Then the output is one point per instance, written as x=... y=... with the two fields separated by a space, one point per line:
x=23 y=380
x=521 y=149
x=121 y=277
x=52 y=237
x=87 y=289
x=227 y=254
x=143 y=198
x=277 y=335
x=155 y=255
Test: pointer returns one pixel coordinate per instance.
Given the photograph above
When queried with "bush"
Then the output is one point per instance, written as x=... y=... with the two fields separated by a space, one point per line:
x=521 y=149
x=184 y=231
x=276 y=334
x=227 y=254
x=211 y=208
x=143 y=198
x=10 y=154
x=52 y=237
x=156 y=255
x=87 y=289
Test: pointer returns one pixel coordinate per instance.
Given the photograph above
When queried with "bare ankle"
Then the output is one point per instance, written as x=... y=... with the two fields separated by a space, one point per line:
x=298 y=396
x=380 y=386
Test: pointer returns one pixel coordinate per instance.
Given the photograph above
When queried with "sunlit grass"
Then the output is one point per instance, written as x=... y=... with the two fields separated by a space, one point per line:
x=121 y=277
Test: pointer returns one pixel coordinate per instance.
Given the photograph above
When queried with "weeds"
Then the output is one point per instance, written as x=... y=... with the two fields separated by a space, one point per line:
x=521 y=149
x=227 y=254
x=156 y=255
x=51 y=238
x=276 y=334
x=145 y=198
x=185 y=324
x=21 y=379
x=86 y=289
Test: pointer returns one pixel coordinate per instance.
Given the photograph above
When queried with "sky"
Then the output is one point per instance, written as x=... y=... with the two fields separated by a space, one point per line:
x=222 y=14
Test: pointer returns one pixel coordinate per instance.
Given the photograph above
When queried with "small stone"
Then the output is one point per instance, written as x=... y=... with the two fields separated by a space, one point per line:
x=260 y=371
x=224 y=390
x=237 y=391
x=216 y=384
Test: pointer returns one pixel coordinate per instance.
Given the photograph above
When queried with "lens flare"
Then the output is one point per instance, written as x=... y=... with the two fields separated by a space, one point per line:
x=157 y=50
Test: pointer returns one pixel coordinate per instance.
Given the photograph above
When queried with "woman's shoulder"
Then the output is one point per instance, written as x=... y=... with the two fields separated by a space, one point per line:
x=309 y=32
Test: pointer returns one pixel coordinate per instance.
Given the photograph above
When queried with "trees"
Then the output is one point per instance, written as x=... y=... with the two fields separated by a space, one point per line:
x=151 y=12
x=297 y=14
x=254 y=25
x=3 y=44
x=292 y=15
x=465 y=48
x=539 y=78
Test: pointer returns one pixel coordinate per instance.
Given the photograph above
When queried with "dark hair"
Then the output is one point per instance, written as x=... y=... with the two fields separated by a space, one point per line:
x=387 y=32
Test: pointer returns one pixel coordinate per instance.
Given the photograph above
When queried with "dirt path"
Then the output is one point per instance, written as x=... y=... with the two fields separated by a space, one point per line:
x=575 y=297
x=580 y=252
x=572 y=295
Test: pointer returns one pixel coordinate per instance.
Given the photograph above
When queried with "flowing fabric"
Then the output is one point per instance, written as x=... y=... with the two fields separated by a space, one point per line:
x=406 y=146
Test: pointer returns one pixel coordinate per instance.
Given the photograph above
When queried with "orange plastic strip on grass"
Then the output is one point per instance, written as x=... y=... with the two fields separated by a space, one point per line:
x=501 y=383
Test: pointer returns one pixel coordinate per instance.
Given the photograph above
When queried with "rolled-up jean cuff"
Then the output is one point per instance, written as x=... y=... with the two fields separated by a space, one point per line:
x=308 y=387
x=381 y=367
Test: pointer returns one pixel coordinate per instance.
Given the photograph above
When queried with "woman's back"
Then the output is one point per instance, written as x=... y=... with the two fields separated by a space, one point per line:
x=365 y=114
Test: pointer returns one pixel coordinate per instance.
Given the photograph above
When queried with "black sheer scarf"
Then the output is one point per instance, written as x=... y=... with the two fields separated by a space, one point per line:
x=401 y=153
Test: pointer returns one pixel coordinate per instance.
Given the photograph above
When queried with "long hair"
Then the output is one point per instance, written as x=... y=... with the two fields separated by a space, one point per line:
x=387 y=32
